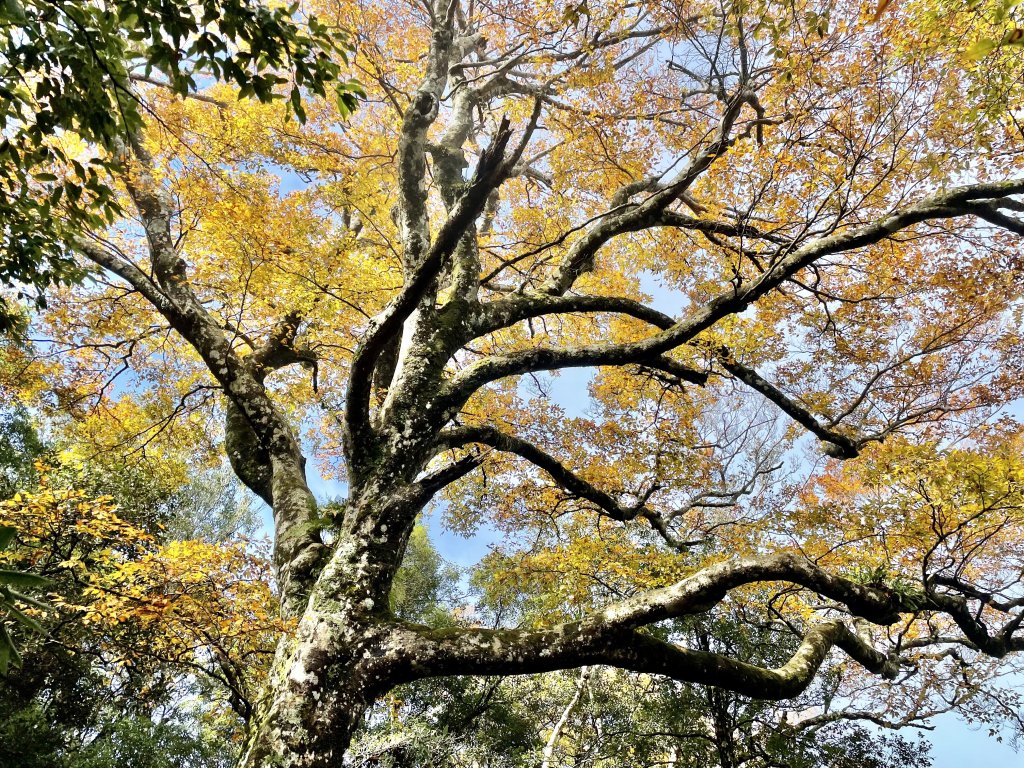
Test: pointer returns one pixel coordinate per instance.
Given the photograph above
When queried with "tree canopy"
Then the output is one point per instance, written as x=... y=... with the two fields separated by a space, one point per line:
x=72 y=69
x=782 y=238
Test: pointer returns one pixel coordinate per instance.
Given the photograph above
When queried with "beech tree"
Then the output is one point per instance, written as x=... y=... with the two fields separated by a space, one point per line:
x=826 y=201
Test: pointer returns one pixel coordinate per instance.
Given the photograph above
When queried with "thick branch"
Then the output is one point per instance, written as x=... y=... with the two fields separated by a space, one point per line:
x=998 y=645
x=517 y=308
x=128 y=272
x=280 y=349
x=491 y=170
x=712 y=227
x=610 y=636
x=434 y=481
x=297 y=545
x=532 y=361
x=505 y=652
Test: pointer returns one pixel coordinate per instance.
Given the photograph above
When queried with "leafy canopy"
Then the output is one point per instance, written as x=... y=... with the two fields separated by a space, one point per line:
x=71 y=72
x=783 y=239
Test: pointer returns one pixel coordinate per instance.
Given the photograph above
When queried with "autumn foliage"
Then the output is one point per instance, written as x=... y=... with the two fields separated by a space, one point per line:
x=198 y=606
x=706 y=314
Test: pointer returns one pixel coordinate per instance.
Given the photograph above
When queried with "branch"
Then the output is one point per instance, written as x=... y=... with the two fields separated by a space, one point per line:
x=513 y=652
x=580 y=257
x=712 y=227
x=957 y=608
x=948 y=204
x=128 y=272
x=546 y=359
x=562 y=475
x=265 y=432
x=491 y=170
x=556 y=732
x=506 y=312
x=135 y=78
x=434 y=481
x=572 y=483
x=836 y=444
x=610 y=636
x=986 y=598
x=987 y=210
x=280 y=350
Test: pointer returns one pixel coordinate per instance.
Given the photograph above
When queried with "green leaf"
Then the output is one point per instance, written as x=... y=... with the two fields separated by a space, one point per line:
x=23 y=618
x=981 y=49
x=23 y=580
x=15 y=10
x=26 y=599
x=7 y=650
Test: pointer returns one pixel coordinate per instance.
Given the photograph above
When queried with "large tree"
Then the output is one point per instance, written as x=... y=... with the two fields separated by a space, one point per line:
x=824 y=202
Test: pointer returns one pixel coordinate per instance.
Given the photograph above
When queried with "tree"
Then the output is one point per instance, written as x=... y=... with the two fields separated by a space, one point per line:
x=830 y=203
x=142 y=644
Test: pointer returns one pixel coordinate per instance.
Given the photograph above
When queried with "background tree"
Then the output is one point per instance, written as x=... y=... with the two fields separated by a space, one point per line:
x=827 y=205
x=134 y=651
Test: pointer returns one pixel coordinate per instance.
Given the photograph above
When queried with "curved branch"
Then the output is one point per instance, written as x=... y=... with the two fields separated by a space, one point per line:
x=580 y=488
x=434 y=481
x=580 y=257
x=280 y=349
x=713 y=227
x=546 y=359
x=506 y=312
x=128 y=272
x=610 y=636
x=943 y=205
x=969 y=621
x=297 y=546
x=653 y=656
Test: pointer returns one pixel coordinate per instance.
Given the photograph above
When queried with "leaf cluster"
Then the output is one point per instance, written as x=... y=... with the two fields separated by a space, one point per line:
x=70 y=70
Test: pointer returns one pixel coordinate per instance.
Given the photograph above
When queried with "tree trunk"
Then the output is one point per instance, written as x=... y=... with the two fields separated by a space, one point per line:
x=315 y=700
x=343 y=655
